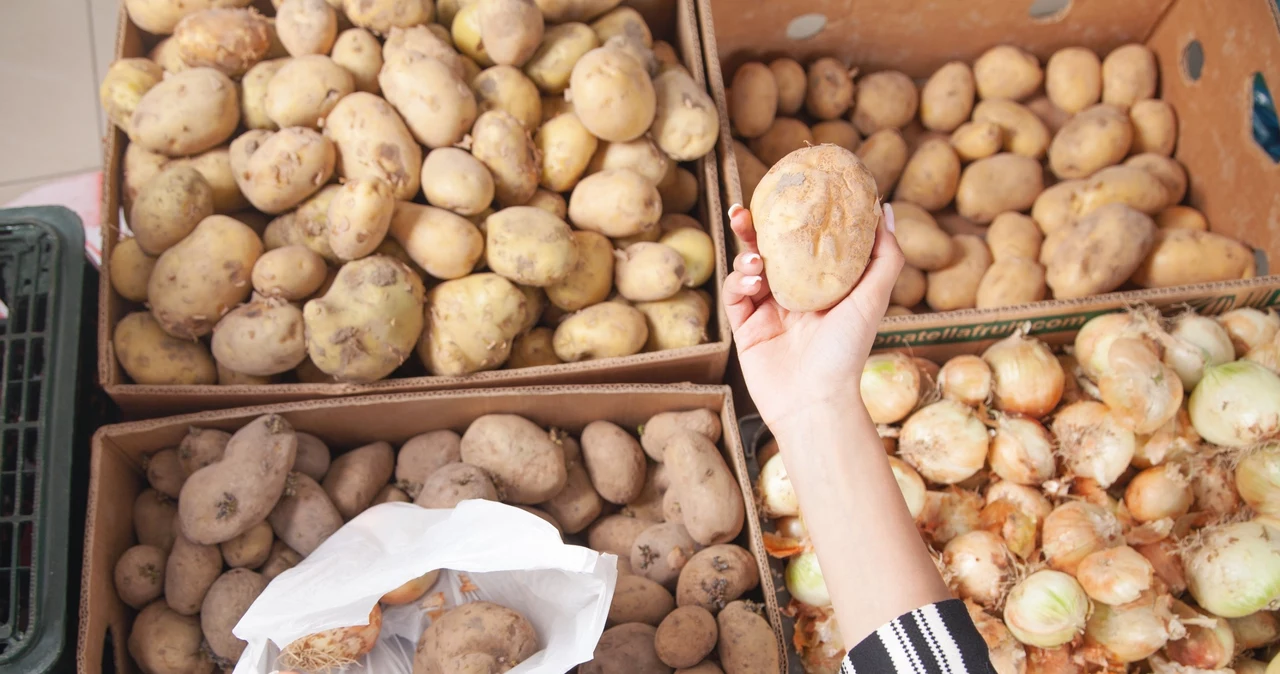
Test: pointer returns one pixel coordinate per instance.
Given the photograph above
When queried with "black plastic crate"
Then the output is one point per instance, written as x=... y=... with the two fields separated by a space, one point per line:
x=41 y=285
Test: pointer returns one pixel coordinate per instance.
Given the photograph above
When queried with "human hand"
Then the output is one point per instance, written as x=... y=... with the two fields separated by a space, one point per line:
x=794 y=361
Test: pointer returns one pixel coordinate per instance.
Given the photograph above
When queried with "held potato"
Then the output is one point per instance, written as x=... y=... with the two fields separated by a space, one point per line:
x=292 y=273
x=436 y=103
x=637 y=599
x=1008 y=72
x=533 y=349
x=626 y=648
x=520 y=455
x=567 y=148
x=1073 y=79
x=885 y=154
x=885 y=100
x=747 y=644
x=1098 y=137
x=1187 y=256
x=604 y=330
x=306 y=26
x=829 y=93
x=686 y=124
x=470 y=324
x=640 y=155
x=383 y=15
x=225 y=603
x=202 y=447
x=500 y=143
x=1167 y=170
x=1155 y=127
x=956 y=286
x=229 y=40
x=139 y=575
x=1023 y=133
x=506 y=88
x=975 y=140
x=1128 y=185
x=153 y=519
x=359 y=217
x=946 y=100
x=163 y=641
x=716 y=576
x=354 y=478
x=446 y=245
x=931 y=176
x=424 y=454
x=686 y=636
x=126 y=81
x=151 y=356
x=612 y=94
x=616 y=203
x=753 y=99
x=189 y=571
x=168 y=208
x=250 y=549
x=648 y=272
x=455 y=483
x=552 y=63
x=304 y=516
x=165 y=473
x=1010 y=281
x=455 y=180
x=909 y=288
x=578 y=504
x=709 y=495
x=305 y=90
x=1129 y=75
x=999 y=183
x=1100 y=252
x=792 y=83
x=479 y=636
x=365 y=326
x=199 y=279
x=816 y=215
x=837 y=132
x=661 y=428
x=1013 y=235
x=530 y=246
x=257 y=158
x=614 y=461
x=373 y=142
x=357 y=50
x=511 y=30
x=785 y=136
x=661 y=551
x=591 y=278
x=261 y=338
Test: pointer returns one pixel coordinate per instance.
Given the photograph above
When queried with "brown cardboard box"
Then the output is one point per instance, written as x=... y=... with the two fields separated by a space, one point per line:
x=117 y=477
x=703 y=364
x=1232 y=180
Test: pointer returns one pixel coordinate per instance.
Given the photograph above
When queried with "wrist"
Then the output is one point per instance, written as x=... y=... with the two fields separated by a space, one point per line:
x=836 y=412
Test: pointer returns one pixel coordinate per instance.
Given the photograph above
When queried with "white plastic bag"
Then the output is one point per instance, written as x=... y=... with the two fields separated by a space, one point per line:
x=503 y=554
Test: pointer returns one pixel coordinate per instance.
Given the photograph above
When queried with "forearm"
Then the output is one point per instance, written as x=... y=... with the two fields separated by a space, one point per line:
x=875 y=565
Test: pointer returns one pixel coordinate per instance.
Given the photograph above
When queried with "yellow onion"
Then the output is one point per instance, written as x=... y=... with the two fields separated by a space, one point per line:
x=1026 y=377
x=1175 y=439
x=1166 y=562
x=1060 y=660
x=1214 y=485
x=334 y=648
x=1233 y=570
x=777 y=496
x=945 y=441
x=1158 y=493
x=1030 y=501
x=1022 y=450
x=1258 y=481
x=1208 y=644
x=890 y=387
x=791 y=527
x=965 y=379
x=1254 y=630
x=1092 y=443
x=1007 y=655
x=1142 y=392
x=1075 y=530
x=928 y=369
x=977 y=567
x=1267 y=355
x=1047 y=609
x=1237 y=404
x=1071 y=389
x=910 y=484
x=1116 y=575
x=411 y=591
x=949 y=513
x=1134 y=631
x=1249 y=328
x=1016 y=528
x=1194 y=342
x=805 y=581
x=1093 y=342
x=1246 y=666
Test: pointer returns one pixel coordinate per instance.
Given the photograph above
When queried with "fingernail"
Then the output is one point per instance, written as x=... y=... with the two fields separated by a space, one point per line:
x=750 y=258
x=733 y=210
x=751 y=281
x=888 y=218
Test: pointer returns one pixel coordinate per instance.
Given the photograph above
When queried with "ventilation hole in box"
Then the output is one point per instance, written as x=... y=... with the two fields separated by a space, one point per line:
x=806 y=26
x=1049 y=10
x=1193 y=60
x=108 y=653
x=1266 y=128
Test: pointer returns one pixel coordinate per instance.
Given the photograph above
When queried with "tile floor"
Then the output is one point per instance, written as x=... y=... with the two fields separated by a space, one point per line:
x=53 y=53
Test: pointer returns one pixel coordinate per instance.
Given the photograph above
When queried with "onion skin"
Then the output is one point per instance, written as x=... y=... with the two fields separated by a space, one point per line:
x=1175 y=439
x=1164 y=558
x=890 y=387
x=1254 y=630
x=1197 y=341
x=1092 y=442
x=1159 y=493
x=1093 y=342
x=1142 y=392
x=1249 y=328
x=1022 y=451
x=1235 y=569
x=1258 y=481
x=1026 y=377
x=978 y=566
x=1007 y=655
x=1060 y=660
x=1236 y=405
x=1047 y=609
x=945 y=441
x=910 y=484
x=1203 y=647
x=1075 y=530
x=1132 y=632
x=1030 y=501
x=965 y=379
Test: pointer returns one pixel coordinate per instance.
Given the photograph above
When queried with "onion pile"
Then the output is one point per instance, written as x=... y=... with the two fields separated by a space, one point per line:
x=1113 y=508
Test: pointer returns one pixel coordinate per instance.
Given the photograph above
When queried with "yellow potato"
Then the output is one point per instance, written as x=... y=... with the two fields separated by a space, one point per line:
x=750 y=169
x=1094 y=139
x=261 y=338
x=885 y=155
x=473 y=321
x=648 y=272
x=559 y=11
x=1155 y=127
x=829 y=93
x=455 y=180
x=908 y=289
x=612 y=94
x=753 y=100
x=359 y=217
x=1073 y=79
x=161 y=16
x=1187 y=256
x=253 y=94
x=130 y=269
x=604 y=330
x=1023 y=132
x=169 y=207
x=946 y=100
x=698 y=251
x=1100 y=252
x=465 y=31
x=189 y=112
x=1167 y=170
x=1011 y=281
x=230 y=40
x=437 y=105
x=931 y=176
x=923 y=244
x=566 y=147
x=625 y=22
x=679 y=192
x=837 y=132
x=1053 y=210
x=792 y=82
x=126 y=81
x=406 y=45
x=665 y=54
x=550 y=202
x=640 y=155
x=150 y=356
x=552 y=63
x=685 y=124
x=293 y=273
x=257 y=158
x=511 y=30
x=305 y=90
x=884 y=100
x=974 y=140
x=202 y=277
x=591 y=279
x=785 y=136
x=215 y=166
x=1122 y=185
x=953 y=223
x=445 y=244
x=307 y=226
x=1053 y=117
x=357 y=50
x=1178 y=217
x=506 y=88
x=529 y=246
x=503 y=145
x=676 y=322
x=956 y=286
x=617 y=202
x=380 y=16
x=140 y=165
x=1014 y=235
x=306 y=26
x=554 y=106
x=1129 y=75
x=1007 y=72
x=999 y=183
x=533 y=349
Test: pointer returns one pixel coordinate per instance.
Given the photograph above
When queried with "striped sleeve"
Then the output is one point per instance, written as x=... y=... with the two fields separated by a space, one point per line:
x=935 y=639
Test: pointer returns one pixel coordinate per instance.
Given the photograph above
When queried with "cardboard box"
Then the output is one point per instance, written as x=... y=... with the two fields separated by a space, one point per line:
x=703 y=364
x=1232 y=180
x=117 y=477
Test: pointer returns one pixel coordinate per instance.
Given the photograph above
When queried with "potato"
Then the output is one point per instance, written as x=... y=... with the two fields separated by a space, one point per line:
x=359 y=217
x=453 y=179
x=519 y=454
x=676 y=322
x=424 y=454
x=953 y=223
x=999 y=183
x=281 y=559
x=931 y=176
x=253 y=94
x=716 y=576
x=661 y=428
x=946 y=99
x=165 y=473
x=614 y=461
x=1094 y=139
x=229 y=40
x=446 y=245
x=510 y=30
x=975 y=140
x=623 y=22
x=454 y=483
x=791 y=82
x=202 y=447
x=261 y=338
x=139 y=575
x=753 y=99
x=885 y=100
x=305 y=90
x=163 y=641
x=250 y=549
x=552 y=62
x=189 y=571
x=215 y=167
x=1129 y=75
x=1188 y=256
x=577 y=505
x=750 y=169
x=292 y=273
x=257 y=157
x=604 y=330
x=661 y=551
x=535 y=299
x=406 y=45
x=1073 y=79
x=391 y=494
x=1008 y=72
x=829 y=93
x=707 y=491
x=1180 y=217
x=1100 y=252
x=616 y=203
x=1053 y=210
x=306 y=26
x=160 y=17
x=637 y=599
x=1014 y=235
x=686 y=636
x=411 y=590
x=478 y=636
x=530 y=246
x=680 y=192
x=130 y=270
x=226 y=602
x=126 y=81
x=505 y=148
x=151 y=356
x=782 y=138
x=885 y=154
x=837 y=132
x=1051 y=243
x=140 y=166
x=436 y=103
x=956 y=286
x=647 y=272
x=380 y=16
x=696 y=249
x=640 y=155
x=616 y=534
x=626 y=648
x=465 y=32
x=1168 y=171
x=1125 y=185
x=355 y=478
x=1011 y=281
x=506 y=88
x=166 y=55
x=199 y=279
x=591 y=278
x=153 y=519
x=909 y=288
x=472 y=322
x=168 y=208
x=613 y=95
x=748 y=645
x=559 y=11
x=1155 y=127
x=686 y=124
x=373 y=142
x=304 y=516
x=1023 y=133
x=566 y=148
x=359 y=52
x=533 y=349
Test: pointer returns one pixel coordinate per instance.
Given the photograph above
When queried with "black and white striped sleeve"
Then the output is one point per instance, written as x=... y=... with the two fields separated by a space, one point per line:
x=935 y=639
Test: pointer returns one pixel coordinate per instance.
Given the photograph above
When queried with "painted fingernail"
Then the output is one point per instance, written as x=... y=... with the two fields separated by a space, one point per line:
x=733 y=210
x=750 y=258
x=888 y=218
x=751 y=281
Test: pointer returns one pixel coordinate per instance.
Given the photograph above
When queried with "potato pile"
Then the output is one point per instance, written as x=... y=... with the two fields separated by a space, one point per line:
x=1011 y=181
x=226 y=513
x=317 y=189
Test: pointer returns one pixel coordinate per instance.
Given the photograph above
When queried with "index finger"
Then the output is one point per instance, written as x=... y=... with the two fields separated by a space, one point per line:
x=741 y=224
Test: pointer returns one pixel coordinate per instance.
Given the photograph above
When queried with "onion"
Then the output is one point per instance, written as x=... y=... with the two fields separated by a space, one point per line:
x=1267 y=355
x=1022 y=450
x=768 y=451
x=945 y=441
x=1093 y=444
x=1236 y=404
x=978 y=566
x=1158 y=493
x=1249 y=328
x=1258 y=481
x=1015 y=527
x=928 y=369
x=949 y=513
x=1208 y=644
x=909 y=482
x=805 y=581
x=1234 y=569
x=1164 y=558
x=1142 y=392
x=1093 y=342
x=1174 y=439
x=1254 y=630
x=1026 y=378
x=1028 y=500
x=1007 y=655
x=890 y=387
x=1047 y=609
x=1115 y=576
x=1215 y=487
x=1060 y=660
x=335 y=647
x=1075 y=530
x=1248 y=666
x=791 y=527
x=1132 y=632
x=1196 y=342
x=965 y=379
x=1071 y=389
x=777 y=496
